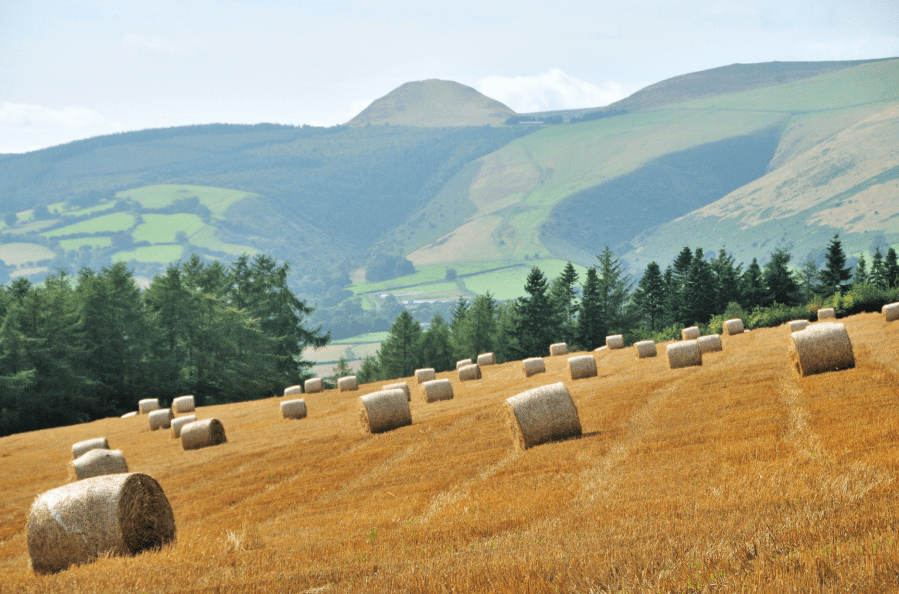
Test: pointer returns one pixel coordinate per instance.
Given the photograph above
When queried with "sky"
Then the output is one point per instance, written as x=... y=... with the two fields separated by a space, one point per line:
x=81 y=68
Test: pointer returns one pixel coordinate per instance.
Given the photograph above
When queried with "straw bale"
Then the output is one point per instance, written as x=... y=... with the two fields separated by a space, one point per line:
x=200 y=434
x=129 y=415
x=821 y=347
x=313 y=385
x=425 y=375
x=684 y=354
x=293 y=409
x=533 y=366
x=383 y=411
x=147 y=404
x=462 y=363
x=582 y=366
x=710 y=344
x=293 y=390
x=116 y=514
x=347 y=383
x=890 y=312
x=733 y=326
x=179 y=423
x=470 y=372
x=400 y=386
x=559 y=348
x=691 y=333
x=161 y=419
x=97 y=463
x=827 y=313
x=615 y=342
x=438 y=389
x=600 y=349
x=82 y=447
x=645 y=349
x=183 y=404
x=486 y=359
x=543 y=414
x=798 y=325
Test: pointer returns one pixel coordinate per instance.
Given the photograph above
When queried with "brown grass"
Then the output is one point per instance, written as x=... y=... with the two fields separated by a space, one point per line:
x=97 y=463
x=821 y=347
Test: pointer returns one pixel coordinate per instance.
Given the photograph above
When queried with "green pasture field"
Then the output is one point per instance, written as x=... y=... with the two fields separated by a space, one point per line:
x=508 y=283
x=217 y=200
x=31 y=226
x=162 y=254
x=371 y=337
x=17 y=254
x=205 y=238
x=75 y=244
x=425 y=274
x=159 y=228
x=110 y=223
x=91 y=210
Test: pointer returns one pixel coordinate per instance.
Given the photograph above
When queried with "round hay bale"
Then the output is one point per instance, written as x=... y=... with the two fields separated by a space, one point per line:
x=179 y=423
x=684 y=354
x=582 y=366
x=533 y=366
x=438 y=389
x=691 y=333
x=293 y=390
x=559 y=348
x=129 y=415
x=116 y=514
x=425 y=375
x=147 y=404
x=200 y=434
x=183 y=404
x=890 y=312
x=347 y=383
x=83 y=447
x=645 y=349
x=470 y=372
x=313 y=385
x=400 y=386
x=827 y=313
x=821 y=347
x=161 y=419
x=709 y=344
x=733 y=326
x=543 y=414
x=293 y=409
x=601 y=349
x=486 y=359
x=462 y=363
x=383 y=411
x=798 y=325
x=615 y=342
x=97 y=463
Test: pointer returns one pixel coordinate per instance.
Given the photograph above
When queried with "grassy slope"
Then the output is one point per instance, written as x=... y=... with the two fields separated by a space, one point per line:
x=738 y=474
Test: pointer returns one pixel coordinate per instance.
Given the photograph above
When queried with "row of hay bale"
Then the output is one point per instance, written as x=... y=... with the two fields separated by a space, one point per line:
x=193 y=433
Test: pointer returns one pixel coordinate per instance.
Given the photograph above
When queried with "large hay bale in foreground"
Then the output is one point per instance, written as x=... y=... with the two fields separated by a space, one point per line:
x=383 y=411
x=293 y=390
x=462 y=363
x=313 y=385
x=147 y=405
x=201 y=434
x=293 y=409
x=615 y=342
x=179 y=423
x=438 y=389
x=470 y=372
x=710 y=344
x=82 y=447
x=645 y=349
x=732 y=327
x=161 y=419
x=116 y=514
x=347 y=383
x=821 y=347
x=486 y=359
x=425 y=375
x=400 y=386
x=684 y=354
x=533 y=366
x=691 y=333
x=827 y=313
x=559 y=348
x=798 y=325
x=582 y=366
x=890 y=312
x=97 y=463
x=543 y=414
x=183 y=404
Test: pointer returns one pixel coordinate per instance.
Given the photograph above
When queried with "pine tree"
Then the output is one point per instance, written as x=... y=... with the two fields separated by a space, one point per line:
x=650 y=296
x=727 y=280
x=590 y=331
x=699 y=291
x=878 y=270
x=778 y=280
x=861 y=276
x=507 y=347
x=477 y=333
x=563 y=297
x=754 y=293
x=808 y=276
x=891 y=269
x=836 y=274
x=614 y=292
x=535 y=331
x=400 y=351
x=370 y=370
x=436 y=345
x=677 y=281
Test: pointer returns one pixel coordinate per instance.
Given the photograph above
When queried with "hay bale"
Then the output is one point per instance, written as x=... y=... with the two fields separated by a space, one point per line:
x=645 y=349
x=179 y=423
x=890 y=312
x=293 y=390
x=684 y=354
x=200 y=434
x=582 y=366
x=543 y=414
x=399 y=386
x=129 y=415
x=438 y=389
x=486 y=359
x=827 y=313
x=798 y=325
x=462 y=363
x=116 y=514
x=161 y=419
x=533 y=366
x=97 y=463
x=347 y=383
x=733 y=326
x=559 y=348
x=691 y=333
x=821 y=347
x=183 y=404
x=601 y=349
x=313 y=385
x=709 y=344
x=147 y=405
x=425 y=375
x=83 y=447
x=383 y=411
x=470 y=372
x=293 y=409
x=615 y=342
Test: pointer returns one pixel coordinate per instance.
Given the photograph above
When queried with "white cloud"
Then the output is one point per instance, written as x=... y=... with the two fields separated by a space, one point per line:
x=24 y=115
x=548 y=91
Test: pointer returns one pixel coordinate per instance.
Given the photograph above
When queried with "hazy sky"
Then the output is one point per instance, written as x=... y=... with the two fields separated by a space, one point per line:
x=80 y=68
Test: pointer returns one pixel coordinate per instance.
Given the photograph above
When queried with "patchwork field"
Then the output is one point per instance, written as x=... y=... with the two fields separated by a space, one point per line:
x=738 y=475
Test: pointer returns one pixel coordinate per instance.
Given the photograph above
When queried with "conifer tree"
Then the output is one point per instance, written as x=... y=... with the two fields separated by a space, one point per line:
x=590 y=331
x=614 y=292
x=727 y=280
x=436 y=345
x=699 y=291
x=400 y=351
x=650 y=296
x=754 y=293
x=778 y=280
x=535 y=330
x=861 y=275
x=891 y=269
x=808 y=277
x=835 y=275
x=878 y=270
x=563 y=296
x=677 y=281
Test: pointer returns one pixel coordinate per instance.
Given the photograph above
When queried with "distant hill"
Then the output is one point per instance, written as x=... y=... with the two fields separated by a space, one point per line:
x=433 y=104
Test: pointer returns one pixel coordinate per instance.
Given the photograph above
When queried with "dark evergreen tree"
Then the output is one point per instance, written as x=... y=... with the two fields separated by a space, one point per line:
x=677 y=281
x=835 y=275
x=400 y=351
x=699 y=300
x=477 y=332
x=650 y=296
x=590 y=331
x=754 y=293
x=878 y=270
x=891 y=269
x=563 y=297
x=727 y=280
x=778 y=280
x=808 y=279
x=861 y=275
x=535 y=330
x=507 y=347
x=614 y=290
x=436 y=345
x=370 y=370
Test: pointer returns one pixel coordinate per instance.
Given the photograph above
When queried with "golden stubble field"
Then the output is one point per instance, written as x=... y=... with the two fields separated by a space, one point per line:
x=734 y=476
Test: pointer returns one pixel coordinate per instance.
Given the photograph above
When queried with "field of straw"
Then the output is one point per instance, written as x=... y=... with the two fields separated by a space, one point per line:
x=737 y=475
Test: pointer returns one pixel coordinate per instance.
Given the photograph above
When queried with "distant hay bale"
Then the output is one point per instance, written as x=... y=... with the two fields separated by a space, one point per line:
x=115 y=514
x=486 y=359
x=200 y=434
x=582 y=366
x=543 y=414
x=129 y=415
x=601 y=349
x=179 y=423
x=684 y=354
x=438 y=389
x=615 y=342
x=147 y=405
x=425 y=375
x=470 y=372
x=691 y=333
x=533 y=366
x=313 y=385
x=293 y=409
x=890 y=312
x=383 y=411
x=183 y=404
x=161 y=419
x=347 y=383
x=710 y=344
x=462 y=363
x=733 y=326
x=827 y=314
x=97 y=463
x=645 y=349
x=559 y=348
x=293 y=390
x=400 y=386
x=820 y=348
x=83 y=447
x=798 y=325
